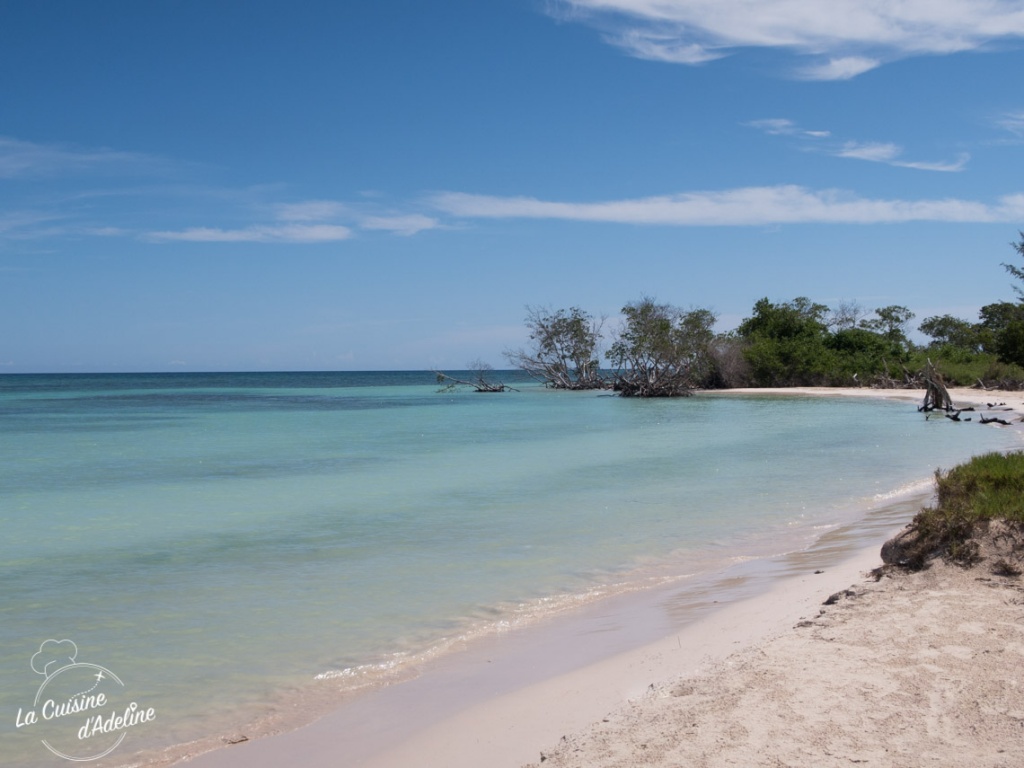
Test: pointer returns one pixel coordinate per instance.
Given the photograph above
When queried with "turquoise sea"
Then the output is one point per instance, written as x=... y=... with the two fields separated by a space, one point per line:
x=227 y=543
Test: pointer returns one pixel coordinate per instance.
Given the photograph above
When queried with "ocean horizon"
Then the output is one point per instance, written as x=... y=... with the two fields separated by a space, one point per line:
x=226 y=543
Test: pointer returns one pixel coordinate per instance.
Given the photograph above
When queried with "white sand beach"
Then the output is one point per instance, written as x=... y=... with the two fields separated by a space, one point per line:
x=914 y=670
x=905 y=670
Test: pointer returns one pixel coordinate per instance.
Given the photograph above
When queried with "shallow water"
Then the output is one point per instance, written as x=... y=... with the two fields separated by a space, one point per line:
x=218 y=539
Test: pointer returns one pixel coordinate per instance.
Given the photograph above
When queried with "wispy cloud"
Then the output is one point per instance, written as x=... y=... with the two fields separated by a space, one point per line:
x=26 y=225
x=748 y=206
x=890 y=155
x=105 y=231
x=780 y=126
x=662 y=46
x=311 y=210
x=25 y=159
x=304 y=221
x=293 y=233
x=876 y=152
x=408 y=224
x=873 y=151
x=843 y=68
x=1012 y=122
x=840 y=39
x=309 y=221
x=358 y=215
x=953 y=166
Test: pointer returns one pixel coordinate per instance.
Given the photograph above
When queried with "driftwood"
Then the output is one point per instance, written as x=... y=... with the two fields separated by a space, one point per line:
x=936 y=398
x=995 y=420
x=479 y=385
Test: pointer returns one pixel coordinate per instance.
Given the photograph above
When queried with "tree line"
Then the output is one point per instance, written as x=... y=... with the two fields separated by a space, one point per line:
x=661 y=350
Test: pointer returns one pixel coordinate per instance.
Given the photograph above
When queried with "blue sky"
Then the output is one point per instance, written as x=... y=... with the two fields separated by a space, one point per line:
x=387 y=184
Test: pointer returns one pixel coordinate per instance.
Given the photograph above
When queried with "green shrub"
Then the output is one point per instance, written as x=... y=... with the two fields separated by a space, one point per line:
x=964 y=370
x=988 y=487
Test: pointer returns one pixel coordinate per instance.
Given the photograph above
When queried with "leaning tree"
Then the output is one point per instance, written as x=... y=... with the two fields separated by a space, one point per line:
x=661 y=350
x=564 y=351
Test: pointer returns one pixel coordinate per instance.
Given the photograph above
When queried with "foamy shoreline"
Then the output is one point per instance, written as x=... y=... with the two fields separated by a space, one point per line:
x=514 y=728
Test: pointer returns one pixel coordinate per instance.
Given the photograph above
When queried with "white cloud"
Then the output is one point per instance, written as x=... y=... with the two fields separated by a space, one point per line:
x=749 y=206
x=295 y=233
x=844 y=38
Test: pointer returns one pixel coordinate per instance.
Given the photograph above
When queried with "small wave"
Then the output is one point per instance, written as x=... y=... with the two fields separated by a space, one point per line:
x=360 y=670
x=913 y=488
x=489 y=621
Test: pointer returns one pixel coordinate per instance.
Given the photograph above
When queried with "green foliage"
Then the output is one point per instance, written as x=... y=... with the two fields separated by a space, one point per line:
x=860 y=353
x=661 y=350
x=778 y=321
x=1007 y=320
x=999 y=329
x=1009 y=344
x=786 y=344
x=791 y=344
x=961 y=368
x=949 y=331
x=891 y=322
x=990 y=350
x=988 y=487
x=994 y=317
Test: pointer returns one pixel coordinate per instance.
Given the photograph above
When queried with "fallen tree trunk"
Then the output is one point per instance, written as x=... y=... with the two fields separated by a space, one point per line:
x=479 y=384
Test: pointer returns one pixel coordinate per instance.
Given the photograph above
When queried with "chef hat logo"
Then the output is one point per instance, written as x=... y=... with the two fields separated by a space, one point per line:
x=53 y=655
